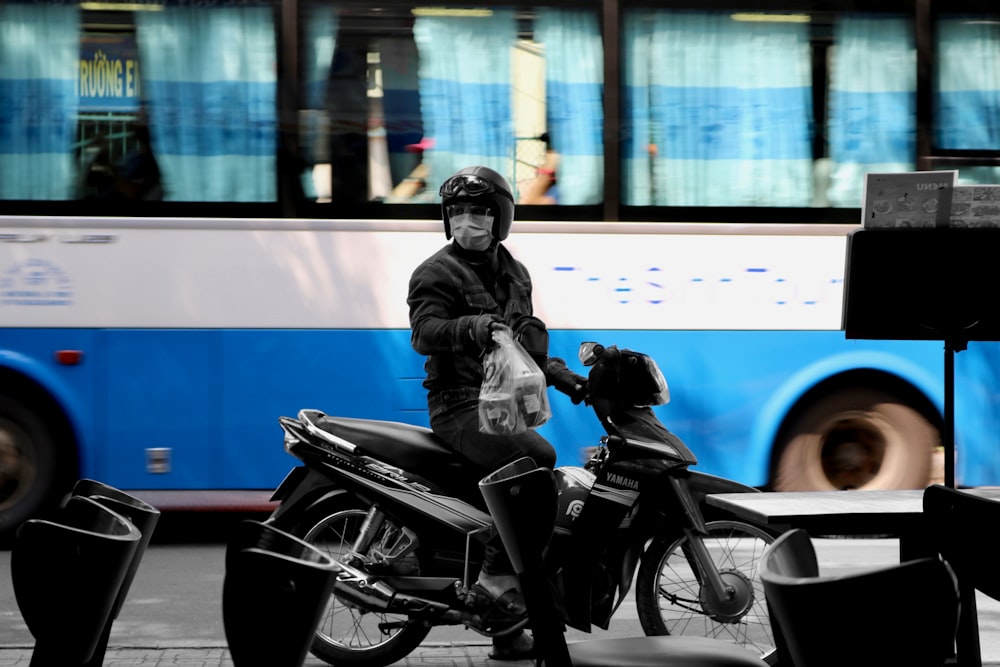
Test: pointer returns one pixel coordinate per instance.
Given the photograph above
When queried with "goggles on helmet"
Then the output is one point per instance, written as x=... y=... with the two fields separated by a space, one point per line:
x=471 y=209
x=472 y=185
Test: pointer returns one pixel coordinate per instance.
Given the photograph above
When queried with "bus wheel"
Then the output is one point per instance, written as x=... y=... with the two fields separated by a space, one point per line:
x=29 y=465
x=857 y=438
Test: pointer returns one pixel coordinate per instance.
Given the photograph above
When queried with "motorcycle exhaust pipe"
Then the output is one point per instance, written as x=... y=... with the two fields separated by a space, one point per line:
x=357 y=588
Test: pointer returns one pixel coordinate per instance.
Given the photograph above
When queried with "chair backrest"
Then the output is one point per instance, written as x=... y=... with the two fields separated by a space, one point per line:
x=276 y=588
x=959 y=525
x=902 y=614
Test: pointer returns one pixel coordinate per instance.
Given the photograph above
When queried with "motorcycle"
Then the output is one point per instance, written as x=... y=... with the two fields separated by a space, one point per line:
x=403 y=516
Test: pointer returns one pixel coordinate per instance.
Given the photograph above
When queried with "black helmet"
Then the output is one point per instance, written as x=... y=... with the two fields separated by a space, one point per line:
x=479 y=185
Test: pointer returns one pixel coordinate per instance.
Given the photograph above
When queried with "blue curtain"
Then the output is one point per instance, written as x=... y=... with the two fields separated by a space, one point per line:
x=465 y=91
x=872 y=121
x=574 y=83
x=39 y=65
x=967 y=90
x=968 y=83
x=209 y=80
x=717 y=111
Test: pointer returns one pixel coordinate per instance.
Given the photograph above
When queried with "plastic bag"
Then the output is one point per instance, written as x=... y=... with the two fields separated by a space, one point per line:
x=512 y=398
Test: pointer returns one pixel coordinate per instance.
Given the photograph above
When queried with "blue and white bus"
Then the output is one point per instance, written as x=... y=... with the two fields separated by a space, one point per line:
x=687 y=174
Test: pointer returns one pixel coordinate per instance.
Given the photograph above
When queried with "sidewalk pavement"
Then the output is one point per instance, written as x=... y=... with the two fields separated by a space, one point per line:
x=429 y=654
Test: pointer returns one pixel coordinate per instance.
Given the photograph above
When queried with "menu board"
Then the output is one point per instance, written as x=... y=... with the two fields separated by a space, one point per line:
x=908 y=199
x=975 y=206
x=928 y=199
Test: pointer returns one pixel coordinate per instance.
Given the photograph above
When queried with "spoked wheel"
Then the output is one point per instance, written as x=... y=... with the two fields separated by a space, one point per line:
x=672 y=601
x=346 y=633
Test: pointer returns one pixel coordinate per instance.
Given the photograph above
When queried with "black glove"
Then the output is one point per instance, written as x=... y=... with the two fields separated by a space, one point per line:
x=579 y=392
x=565 y=380
x=481 y=329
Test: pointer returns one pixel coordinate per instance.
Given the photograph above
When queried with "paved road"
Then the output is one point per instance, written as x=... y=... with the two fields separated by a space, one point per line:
x=175 y=600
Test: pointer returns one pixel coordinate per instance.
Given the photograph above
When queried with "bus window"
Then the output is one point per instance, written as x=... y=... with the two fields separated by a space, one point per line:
x=729 y=108
x=717 y=109
x=967 y=89
x=39 y=109
x=210 y=84
x=76 y=111
x=395 y=100
x=872 y=103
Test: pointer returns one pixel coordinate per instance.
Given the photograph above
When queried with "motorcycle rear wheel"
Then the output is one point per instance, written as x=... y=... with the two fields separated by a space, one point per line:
x=670 y=599
x=346 y=634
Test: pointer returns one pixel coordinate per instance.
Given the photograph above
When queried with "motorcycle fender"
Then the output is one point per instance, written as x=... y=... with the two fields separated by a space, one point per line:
x=302 y=488
x=289 y=484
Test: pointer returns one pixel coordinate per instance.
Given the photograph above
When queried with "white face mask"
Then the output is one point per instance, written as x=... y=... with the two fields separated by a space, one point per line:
x=472 y=232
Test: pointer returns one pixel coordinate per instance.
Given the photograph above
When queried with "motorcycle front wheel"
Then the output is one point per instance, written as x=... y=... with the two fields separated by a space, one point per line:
x=671 y=600
x=346 y=633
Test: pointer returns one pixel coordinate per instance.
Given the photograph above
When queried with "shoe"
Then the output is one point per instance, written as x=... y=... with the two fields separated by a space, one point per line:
x=510 y=603
x=520 y=646
x=504 y=591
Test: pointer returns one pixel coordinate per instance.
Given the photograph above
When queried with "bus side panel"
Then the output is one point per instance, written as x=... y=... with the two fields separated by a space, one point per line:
x=977 y=414
x=372 y=374
x=162 y=389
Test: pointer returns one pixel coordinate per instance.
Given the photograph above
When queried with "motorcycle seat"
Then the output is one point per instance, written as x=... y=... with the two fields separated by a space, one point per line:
x=403 y=445
x=415 y=449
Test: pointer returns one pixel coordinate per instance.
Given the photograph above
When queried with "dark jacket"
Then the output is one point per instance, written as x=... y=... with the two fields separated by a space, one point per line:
x=448 y=292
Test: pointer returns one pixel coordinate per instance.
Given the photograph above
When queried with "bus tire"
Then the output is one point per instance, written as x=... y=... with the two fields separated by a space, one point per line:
x=856 y=438
x=32 y=469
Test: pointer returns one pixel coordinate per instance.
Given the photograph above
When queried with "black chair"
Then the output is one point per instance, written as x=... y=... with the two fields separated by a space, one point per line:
x=902 y=614
x=67 y=572
x=959 y=528
x=274 y=594
x=144 y=517
x=522 y=501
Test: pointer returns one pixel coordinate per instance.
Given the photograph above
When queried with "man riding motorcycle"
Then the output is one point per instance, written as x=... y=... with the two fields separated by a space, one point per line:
x=457 y=297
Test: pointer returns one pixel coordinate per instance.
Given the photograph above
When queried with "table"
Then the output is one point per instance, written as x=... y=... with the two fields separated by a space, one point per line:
x=888 y=513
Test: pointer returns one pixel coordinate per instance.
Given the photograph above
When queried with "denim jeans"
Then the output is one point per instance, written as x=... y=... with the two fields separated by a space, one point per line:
x=455 y=419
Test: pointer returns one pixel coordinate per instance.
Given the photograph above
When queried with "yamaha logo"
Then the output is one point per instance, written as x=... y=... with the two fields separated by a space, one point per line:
x=623 y=482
